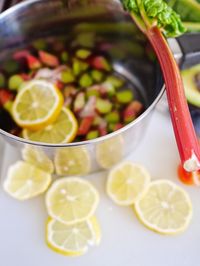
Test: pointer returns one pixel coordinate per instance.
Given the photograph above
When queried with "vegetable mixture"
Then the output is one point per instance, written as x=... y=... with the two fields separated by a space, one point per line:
x=101 y=100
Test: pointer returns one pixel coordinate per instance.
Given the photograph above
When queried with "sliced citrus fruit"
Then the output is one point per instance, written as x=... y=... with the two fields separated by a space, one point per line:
x=165 y=208
x=71 y=200
x=126 y=183
x=37 y=157
x=72 y=161
x=25 y=181
x=63 y=130
x=37 y=105
x=72 y=240
x=110 y=152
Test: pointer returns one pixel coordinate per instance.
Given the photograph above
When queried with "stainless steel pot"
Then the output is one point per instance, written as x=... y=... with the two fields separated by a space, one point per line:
x=94 y=20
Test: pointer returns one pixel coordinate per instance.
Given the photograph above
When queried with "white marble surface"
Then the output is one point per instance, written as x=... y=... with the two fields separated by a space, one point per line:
x=125 y=242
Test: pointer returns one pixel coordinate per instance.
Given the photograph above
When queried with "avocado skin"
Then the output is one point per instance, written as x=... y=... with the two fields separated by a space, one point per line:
x=191 y=91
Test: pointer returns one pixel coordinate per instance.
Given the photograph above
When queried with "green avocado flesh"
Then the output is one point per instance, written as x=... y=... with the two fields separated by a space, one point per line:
x=191 y=90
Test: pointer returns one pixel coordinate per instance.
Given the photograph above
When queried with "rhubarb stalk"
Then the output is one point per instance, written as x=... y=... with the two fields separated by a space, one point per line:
x=155 y=18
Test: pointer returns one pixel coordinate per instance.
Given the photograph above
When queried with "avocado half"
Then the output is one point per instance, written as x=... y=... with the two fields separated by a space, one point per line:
x=191 y=91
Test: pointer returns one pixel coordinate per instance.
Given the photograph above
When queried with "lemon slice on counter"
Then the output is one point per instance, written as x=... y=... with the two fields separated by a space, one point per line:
x=63 y=130
x=37 y=105
x=37 y=157
x=110 y=152
x=72 y=161
x=164 y=208
x=25 y=181
x=126 y=183
x=72 y=240
x=71 y=200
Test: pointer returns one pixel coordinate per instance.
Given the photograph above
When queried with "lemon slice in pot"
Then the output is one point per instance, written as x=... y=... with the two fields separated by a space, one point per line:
x=37 y=157
x=110 y=152
x=63 y=130
x=72 y=161
x=37 y=105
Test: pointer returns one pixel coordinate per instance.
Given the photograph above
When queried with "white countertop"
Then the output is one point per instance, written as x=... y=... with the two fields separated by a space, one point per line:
x=125 y=242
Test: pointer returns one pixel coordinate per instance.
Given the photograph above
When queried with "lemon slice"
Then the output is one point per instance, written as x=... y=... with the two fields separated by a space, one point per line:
x=164 y=208
x=72 y=161
x=71 y=200
x=126 y=183
x=72 y=240
x=63 y=130
x=37 y=105
x=110 y=152
x=37 y=157
x=25 y=181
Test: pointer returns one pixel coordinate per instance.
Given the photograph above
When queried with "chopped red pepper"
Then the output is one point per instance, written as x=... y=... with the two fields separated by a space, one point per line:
x=21 y=54
x=48 y=59
x=132 y=111
x=129 y=113
x=103 y=131
x=33 y=62
x=5 y=96
x=118 y=126
x=85 y=125
x=101 y=63
x=25 y=76
x=59 y=85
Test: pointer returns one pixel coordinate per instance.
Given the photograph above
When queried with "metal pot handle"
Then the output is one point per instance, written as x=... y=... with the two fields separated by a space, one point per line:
x=190 y=46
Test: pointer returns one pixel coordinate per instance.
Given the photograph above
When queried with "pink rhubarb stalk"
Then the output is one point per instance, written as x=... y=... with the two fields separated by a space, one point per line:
x=187 y=142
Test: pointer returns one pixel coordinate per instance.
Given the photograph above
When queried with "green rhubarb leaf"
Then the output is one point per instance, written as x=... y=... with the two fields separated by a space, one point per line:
x=130 y=5
x=156 y=13
x=189 y=11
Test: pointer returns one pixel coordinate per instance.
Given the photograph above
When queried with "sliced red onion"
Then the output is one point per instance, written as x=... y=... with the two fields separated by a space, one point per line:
x=44 y=73
x=51 y=75
x=89 y=109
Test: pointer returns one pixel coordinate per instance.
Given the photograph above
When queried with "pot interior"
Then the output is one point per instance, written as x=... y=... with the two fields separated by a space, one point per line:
x=98 y=25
